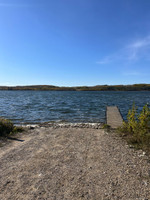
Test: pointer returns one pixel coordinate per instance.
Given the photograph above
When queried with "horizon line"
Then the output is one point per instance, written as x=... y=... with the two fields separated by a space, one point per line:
x=75 y=86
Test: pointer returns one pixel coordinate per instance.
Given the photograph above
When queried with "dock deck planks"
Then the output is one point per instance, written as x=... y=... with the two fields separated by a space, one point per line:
x=113 y=116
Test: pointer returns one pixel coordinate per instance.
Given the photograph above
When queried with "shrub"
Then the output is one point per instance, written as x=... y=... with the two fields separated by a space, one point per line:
x=144 y=120
x=137 y=127
x=6 y=127
x=132 y=120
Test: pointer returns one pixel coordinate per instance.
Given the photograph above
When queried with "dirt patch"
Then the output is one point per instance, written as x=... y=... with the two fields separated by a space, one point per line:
x=72 y=163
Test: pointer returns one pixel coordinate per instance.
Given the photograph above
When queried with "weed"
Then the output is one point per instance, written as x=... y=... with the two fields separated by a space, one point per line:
x=7 y=128
x=137 y=127
x=106 y=127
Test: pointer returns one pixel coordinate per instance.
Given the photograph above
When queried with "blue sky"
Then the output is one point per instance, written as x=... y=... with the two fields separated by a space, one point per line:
x=74 y=42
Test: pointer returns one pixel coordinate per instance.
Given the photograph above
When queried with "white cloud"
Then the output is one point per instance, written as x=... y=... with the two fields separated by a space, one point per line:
x=132 y=73
x=135 y=73
x=104 y=61
x=111 y=58
x=134 y=51
x=138 y=49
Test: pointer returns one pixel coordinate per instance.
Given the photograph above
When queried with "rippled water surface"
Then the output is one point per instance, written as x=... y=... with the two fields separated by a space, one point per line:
x=42 y=106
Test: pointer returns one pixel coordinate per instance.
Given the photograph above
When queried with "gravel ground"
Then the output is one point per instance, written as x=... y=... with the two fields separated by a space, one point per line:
x=69 y=163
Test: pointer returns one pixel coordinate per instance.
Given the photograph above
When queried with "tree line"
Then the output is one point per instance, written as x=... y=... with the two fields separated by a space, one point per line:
x=134 y=87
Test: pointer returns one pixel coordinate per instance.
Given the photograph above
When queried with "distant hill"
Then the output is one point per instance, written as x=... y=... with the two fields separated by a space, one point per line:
x=135 y=87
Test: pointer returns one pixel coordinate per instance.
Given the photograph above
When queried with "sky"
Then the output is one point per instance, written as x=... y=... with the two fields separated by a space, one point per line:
x=74 y=42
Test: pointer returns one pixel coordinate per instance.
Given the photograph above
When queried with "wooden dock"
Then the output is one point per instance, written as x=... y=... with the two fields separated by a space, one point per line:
x=113 y=116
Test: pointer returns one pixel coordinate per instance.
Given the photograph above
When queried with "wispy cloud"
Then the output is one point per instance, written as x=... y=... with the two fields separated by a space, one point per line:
x=111 y=58
x=135 y=73
x=131 y=73
x=105 y=60
x=131 y=52
x=138 y=49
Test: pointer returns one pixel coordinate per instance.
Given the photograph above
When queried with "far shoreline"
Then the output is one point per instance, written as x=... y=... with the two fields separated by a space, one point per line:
x=133 y=87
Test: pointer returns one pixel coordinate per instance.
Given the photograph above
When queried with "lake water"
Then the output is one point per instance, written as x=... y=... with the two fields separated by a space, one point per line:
x=71 y=106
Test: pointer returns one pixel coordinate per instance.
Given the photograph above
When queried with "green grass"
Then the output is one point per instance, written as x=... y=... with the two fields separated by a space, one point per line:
x=7 y=128
x=106 y=127
x=136 y=129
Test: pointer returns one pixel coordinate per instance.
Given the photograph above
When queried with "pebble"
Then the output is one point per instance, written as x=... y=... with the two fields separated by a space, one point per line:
x=64 y=125
x=73 y=125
